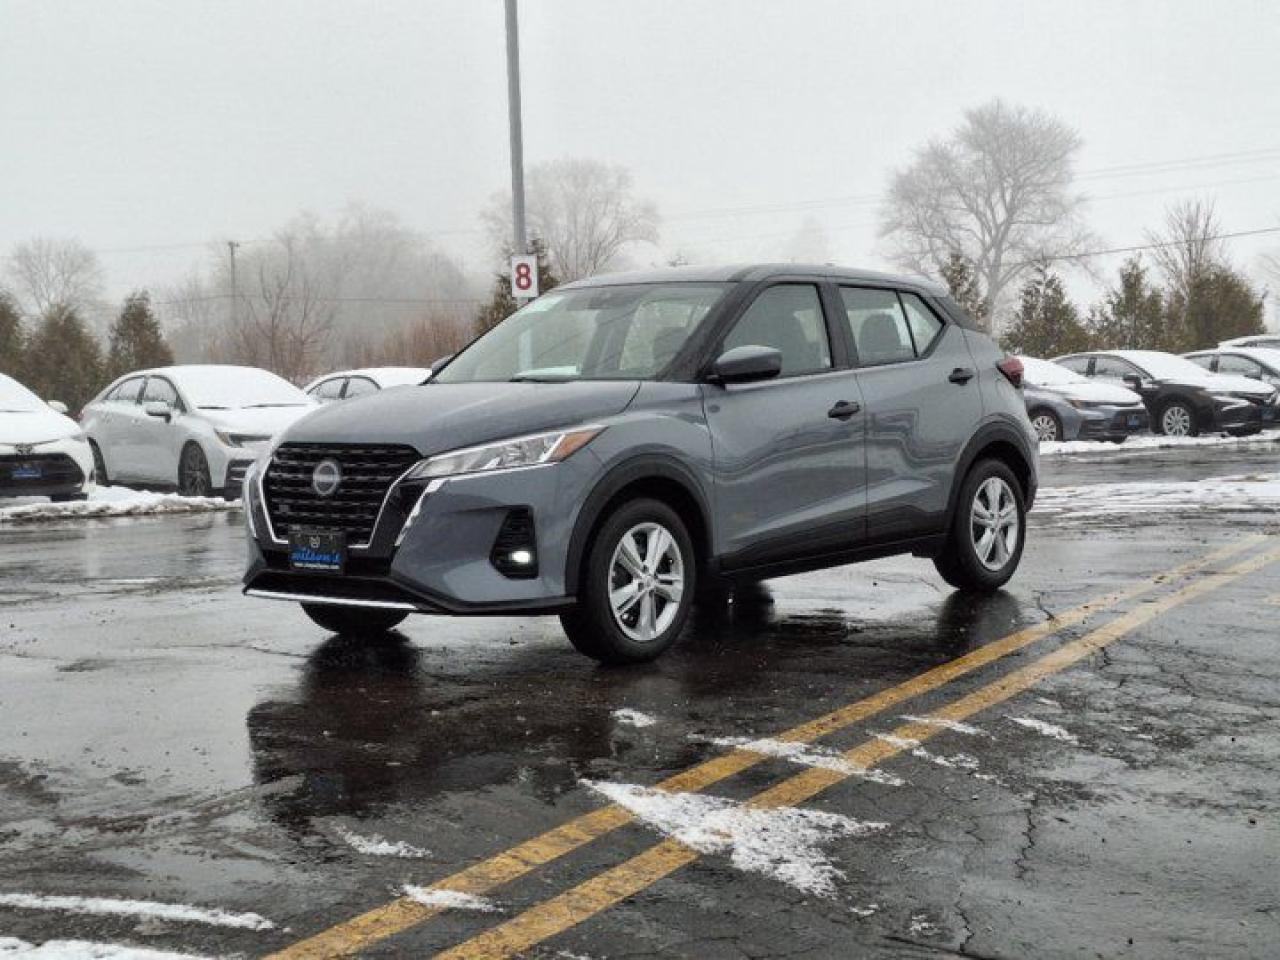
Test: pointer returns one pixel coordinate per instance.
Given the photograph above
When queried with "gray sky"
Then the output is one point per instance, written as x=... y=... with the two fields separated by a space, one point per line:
x=141 y=123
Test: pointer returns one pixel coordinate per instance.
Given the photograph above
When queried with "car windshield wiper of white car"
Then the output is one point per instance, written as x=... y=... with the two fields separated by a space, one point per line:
x=260 y=406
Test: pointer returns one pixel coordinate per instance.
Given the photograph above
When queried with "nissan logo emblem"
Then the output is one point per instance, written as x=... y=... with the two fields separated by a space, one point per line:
x=326 y=478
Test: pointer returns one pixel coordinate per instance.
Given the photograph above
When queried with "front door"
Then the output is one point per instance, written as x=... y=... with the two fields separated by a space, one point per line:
x=156 y=445
x=789 y=468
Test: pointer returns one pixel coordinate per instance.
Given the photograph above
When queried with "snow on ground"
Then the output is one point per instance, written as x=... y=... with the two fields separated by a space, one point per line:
x=82 y=950
x=806 y=756
x=449 y=899
x=1153 y=442
x=953 y=725
x=145 y=909
x=376 y=846
x=109 y=502
x=783 y=843
x=634 y=718
x=1249 y=493
x=1046 y=729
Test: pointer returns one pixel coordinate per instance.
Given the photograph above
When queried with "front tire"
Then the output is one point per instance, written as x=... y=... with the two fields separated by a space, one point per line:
x=988 y=529
x=353 y=621
x=1047 y=425
x=99 y=466
x=1178 y=420
x=637 y=585
x=193 y=472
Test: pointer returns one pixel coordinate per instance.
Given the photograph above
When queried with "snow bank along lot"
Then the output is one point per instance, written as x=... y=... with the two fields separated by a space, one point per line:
x=106 y=502
x=1137 y=444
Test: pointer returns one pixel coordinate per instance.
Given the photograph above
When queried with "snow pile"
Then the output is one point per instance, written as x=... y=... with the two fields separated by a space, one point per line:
x=1237 y=494
x=145 y=909
x=807 y=756
x=783 y=843
x=82 y=950
x=634 y=718
x=1135 y=444
x=449 y=899
x=376 y=846
x=111 y=502
x=1046 y=729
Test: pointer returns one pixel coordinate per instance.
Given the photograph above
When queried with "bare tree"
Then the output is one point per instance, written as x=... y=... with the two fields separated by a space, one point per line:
x=1188 y=248
x=997 y=192
x=47 y=272
x=810 y=243
x=584 y=210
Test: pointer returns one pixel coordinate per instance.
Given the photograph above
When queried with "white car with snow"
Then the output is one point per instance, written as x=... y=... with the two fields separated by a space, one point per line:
x=345 y=384
x=43 y=452
x=196 y=428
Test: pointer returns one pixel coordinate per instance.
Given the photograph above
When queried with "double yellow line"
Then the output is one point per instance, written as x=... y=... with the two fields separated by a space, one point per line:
x=602 y=891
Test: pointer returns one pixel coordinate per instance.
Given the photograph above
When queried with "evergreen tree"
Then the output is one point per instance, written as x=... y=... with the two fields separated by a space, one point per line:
x=136 y=341
x=1221 y=304
x=12 y=340
x=1132 y=315
x=63 y=359
x=962 y=280
x=1046 y=324
x=501 y=305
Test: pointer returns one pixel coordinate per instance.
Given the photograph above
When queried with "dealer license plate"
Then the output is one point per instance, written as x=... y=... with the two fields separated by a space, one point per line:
x=323 y=551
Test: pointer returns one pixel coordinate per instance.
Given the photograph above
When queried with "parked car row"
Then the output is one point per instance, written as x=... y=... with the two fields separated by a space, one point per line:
x=1112 y=394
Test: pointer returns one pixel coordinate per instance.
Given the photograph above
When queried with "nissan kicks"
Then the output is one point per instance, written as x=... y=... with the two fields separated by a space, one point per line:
x=625 y=442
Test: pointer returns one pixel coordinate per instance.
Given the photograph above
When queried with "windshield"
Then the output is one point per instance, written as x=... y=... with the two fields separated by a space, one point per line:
x=231 y=388
x=1042 y=373
x=15 y=398
x=1165 y=366
x=627 y=332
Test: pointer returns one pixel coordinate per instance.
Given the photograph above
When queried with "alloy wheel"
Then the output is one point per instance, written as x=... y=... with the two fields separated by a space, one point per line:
x=193 y=474
x=646 y=581
x=994 y=523
x=1046 y=427
x=1176 y=421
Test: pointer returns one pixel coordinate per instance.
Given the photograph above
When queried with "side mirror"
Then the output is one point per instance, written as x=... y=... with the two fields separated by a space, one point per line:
x=746 y=364
x=57 y=406
x=158 y=409
x=438 y=364
x=1133 y=381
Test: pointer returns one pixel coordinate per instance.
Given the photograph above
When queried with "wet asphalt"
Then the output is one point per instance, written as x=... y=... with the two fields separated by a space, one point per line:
x=164 y=738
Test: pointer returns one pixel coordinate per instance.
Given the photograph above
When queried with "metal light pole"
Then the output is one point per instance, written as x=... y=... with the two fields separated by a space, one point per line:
x=517 y=139
x=231 y=248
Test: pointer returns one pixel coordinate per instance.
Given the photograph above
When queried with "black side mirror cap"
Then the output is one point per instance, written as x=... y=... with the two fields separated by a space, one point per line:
x=746 y=364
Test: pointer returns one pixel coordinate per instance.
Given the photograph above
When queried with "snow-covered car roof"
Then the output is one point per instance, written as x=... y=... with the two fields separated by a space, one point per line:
x=217 y=386
x=1158 y=364
x=1044 y=373
x=1270 y=338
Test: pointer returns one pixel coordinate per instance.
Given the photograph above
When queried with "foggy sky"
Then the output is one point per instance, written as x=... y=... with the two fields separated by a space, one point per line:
x=148 y=123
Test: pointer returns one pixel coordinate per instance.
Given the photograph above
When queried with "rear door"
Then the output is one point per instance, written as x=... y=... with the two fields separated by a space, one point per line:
x=923 y=403
x=789 y=467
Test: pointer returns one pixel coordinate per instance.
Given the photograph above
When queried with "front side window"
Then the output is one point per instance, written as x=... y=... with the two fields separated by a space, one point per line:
x=623 y=332
x=878 y=326
x=330 y=389
x=1204 y=360
x=127 y=392
x=359 y=386
x=789 y=319
x=160 y=391
x=1078 y=365
x=1113 y=369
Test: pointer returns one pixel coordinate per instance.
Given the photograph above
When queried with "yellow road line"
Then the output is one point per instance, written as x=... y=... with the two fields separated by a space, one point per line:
x=612 y=886
x=401 y=914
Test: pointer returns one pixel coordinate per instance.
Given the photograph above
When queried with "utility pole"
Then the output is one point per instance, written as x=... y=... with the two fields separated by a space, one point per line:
x=517 y=140
x=235 y=293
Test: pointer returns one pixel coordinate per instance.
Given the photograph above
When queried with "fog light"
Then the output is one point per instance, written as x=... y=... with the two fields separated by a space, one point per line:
x=515 y=549
x=521 y=557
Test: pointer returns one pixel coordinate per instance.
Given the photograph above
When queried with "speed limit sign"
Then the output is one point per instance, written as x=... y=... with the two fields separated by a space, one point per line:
x=524 y=276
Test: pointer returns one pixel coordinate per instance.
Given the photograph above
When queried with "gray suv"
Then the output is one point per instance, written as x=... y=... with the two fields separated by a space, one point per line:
x=625 y=443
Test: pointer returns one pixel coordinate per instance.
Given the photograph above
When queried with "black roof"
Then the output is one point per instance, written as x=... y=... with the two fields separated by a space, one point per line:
x=754 y=272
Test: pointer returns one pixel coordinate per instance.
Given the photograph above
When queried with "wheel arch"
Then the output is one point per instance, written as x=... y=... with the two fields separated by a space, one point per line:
x=996 y=441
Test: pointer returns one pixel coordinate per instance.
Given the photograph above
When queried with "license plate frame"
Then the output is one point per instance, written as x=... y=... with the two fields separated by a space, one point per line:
x=26 y=471
x=318 y=551
x=1135 y=421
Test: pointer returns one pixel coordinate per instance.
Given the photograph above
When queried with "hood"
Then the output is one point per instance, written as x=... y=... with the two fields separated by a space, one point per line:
x=37 y=426
x=1093 y=392
x=263 y=421
x=448 y=416
x=1226 y=383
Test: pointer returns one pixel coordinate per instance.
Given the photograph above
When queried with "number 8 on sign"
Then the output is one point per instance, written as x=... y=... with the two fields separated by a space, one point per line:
x=524 y=276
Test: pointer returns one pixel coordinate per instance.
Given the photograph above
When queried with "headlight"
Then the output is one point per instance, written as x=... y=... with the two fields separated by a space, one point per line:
x=241 y=439
x=506 y=454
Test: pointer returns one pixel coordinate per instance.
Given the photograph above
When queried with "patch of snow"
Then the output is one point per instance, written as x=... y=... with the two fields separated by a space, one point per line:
x=449 y=899
x=83 y=950
x=634 y=718
x=869 y=910
x=1138 y=444
x=954 y=725
x=957 y=761
x=922 y=926
x=146 y=909
x=1046 y=729
x=107 y=502
x=782 y=843
x=1249 y=493
x=902 y=743
x=376 y=846
x=807 y=756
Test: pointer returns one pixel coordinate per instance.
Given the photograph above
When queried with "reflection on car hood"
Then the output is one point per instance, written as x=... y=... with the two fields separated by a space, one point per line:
x=1095 y=393
x=447 y=416
x=1225 y=383
x=262 y=422
x=35 y=427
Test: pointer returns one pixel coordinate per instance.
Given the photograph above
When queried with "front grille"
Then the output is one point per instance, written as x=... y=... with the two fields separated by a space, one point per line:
x=56 y=470
x=367 y=474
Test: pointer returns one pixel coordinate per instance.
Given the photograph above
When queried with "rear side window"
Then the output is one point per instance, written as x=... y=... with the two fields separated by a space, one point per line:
x=921 y=321
x=127 y=392
x=359 y=386
x=878 y=326
x=1238 y=366
x=788 y=318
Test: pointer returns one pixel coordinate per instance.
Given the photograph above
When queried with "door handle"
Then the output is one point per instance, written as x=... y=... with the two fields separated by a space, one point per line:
x=961 y=375
x=844 y=410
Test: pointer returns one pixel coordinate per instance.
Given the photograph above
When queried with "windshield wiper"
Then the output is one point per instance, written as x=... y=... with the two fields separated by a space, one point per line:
x=262 y=406
x=542 y=378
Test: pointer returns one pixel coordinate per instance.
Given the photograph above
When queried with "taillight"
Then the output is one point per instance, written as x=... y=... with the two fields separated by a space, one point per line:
x=1011 y=367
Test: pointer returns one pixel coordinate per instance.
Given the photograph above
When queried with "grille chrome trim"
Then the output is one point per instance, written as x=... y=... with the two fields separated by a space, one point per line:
x=332 y=601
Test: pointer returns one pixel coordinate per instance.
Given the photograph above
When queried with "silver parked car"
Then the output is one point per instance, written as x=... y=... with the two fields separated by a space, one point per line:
x=349 y=384
x=1064 y=405
x=622 y=441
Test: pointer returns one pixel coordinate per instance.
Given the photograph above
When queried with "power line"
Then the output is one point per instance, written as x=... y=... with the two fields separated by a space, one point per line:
x=1160 y=245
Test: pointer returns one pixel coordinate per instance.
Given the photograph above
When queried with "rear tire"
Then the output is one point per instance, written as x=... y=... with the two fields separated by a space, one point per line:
x=353 y=621
x=988 y=529
x=637 y=585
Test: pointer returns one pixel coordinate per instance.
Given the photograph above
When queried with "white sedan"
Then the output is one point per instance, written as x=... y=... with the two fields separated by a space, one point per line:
x=196 y=428
x=346 y=384
x=43 y=452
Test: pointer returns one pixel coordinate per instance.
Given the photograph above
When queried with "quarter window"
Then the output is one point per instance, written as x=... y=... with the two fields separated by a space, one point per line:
x=789 y=318
x=878 y=326
x=924 y=326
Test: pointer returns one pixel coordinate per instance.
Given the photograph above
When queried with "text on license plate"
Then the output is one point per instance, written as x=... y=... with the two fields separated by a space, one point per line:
x=318 y=550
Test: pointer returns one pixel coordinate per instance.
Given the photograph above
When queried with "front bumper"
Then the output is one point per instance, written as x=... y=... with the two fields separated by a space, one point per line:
x=432 y=549
x=1112 y=423
x=1244 y=416
x=64 y=467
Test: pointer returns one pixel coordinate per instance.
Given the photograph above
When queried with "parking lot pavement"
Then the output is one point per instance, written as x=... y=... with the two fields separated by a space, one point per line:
x=852 y=763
